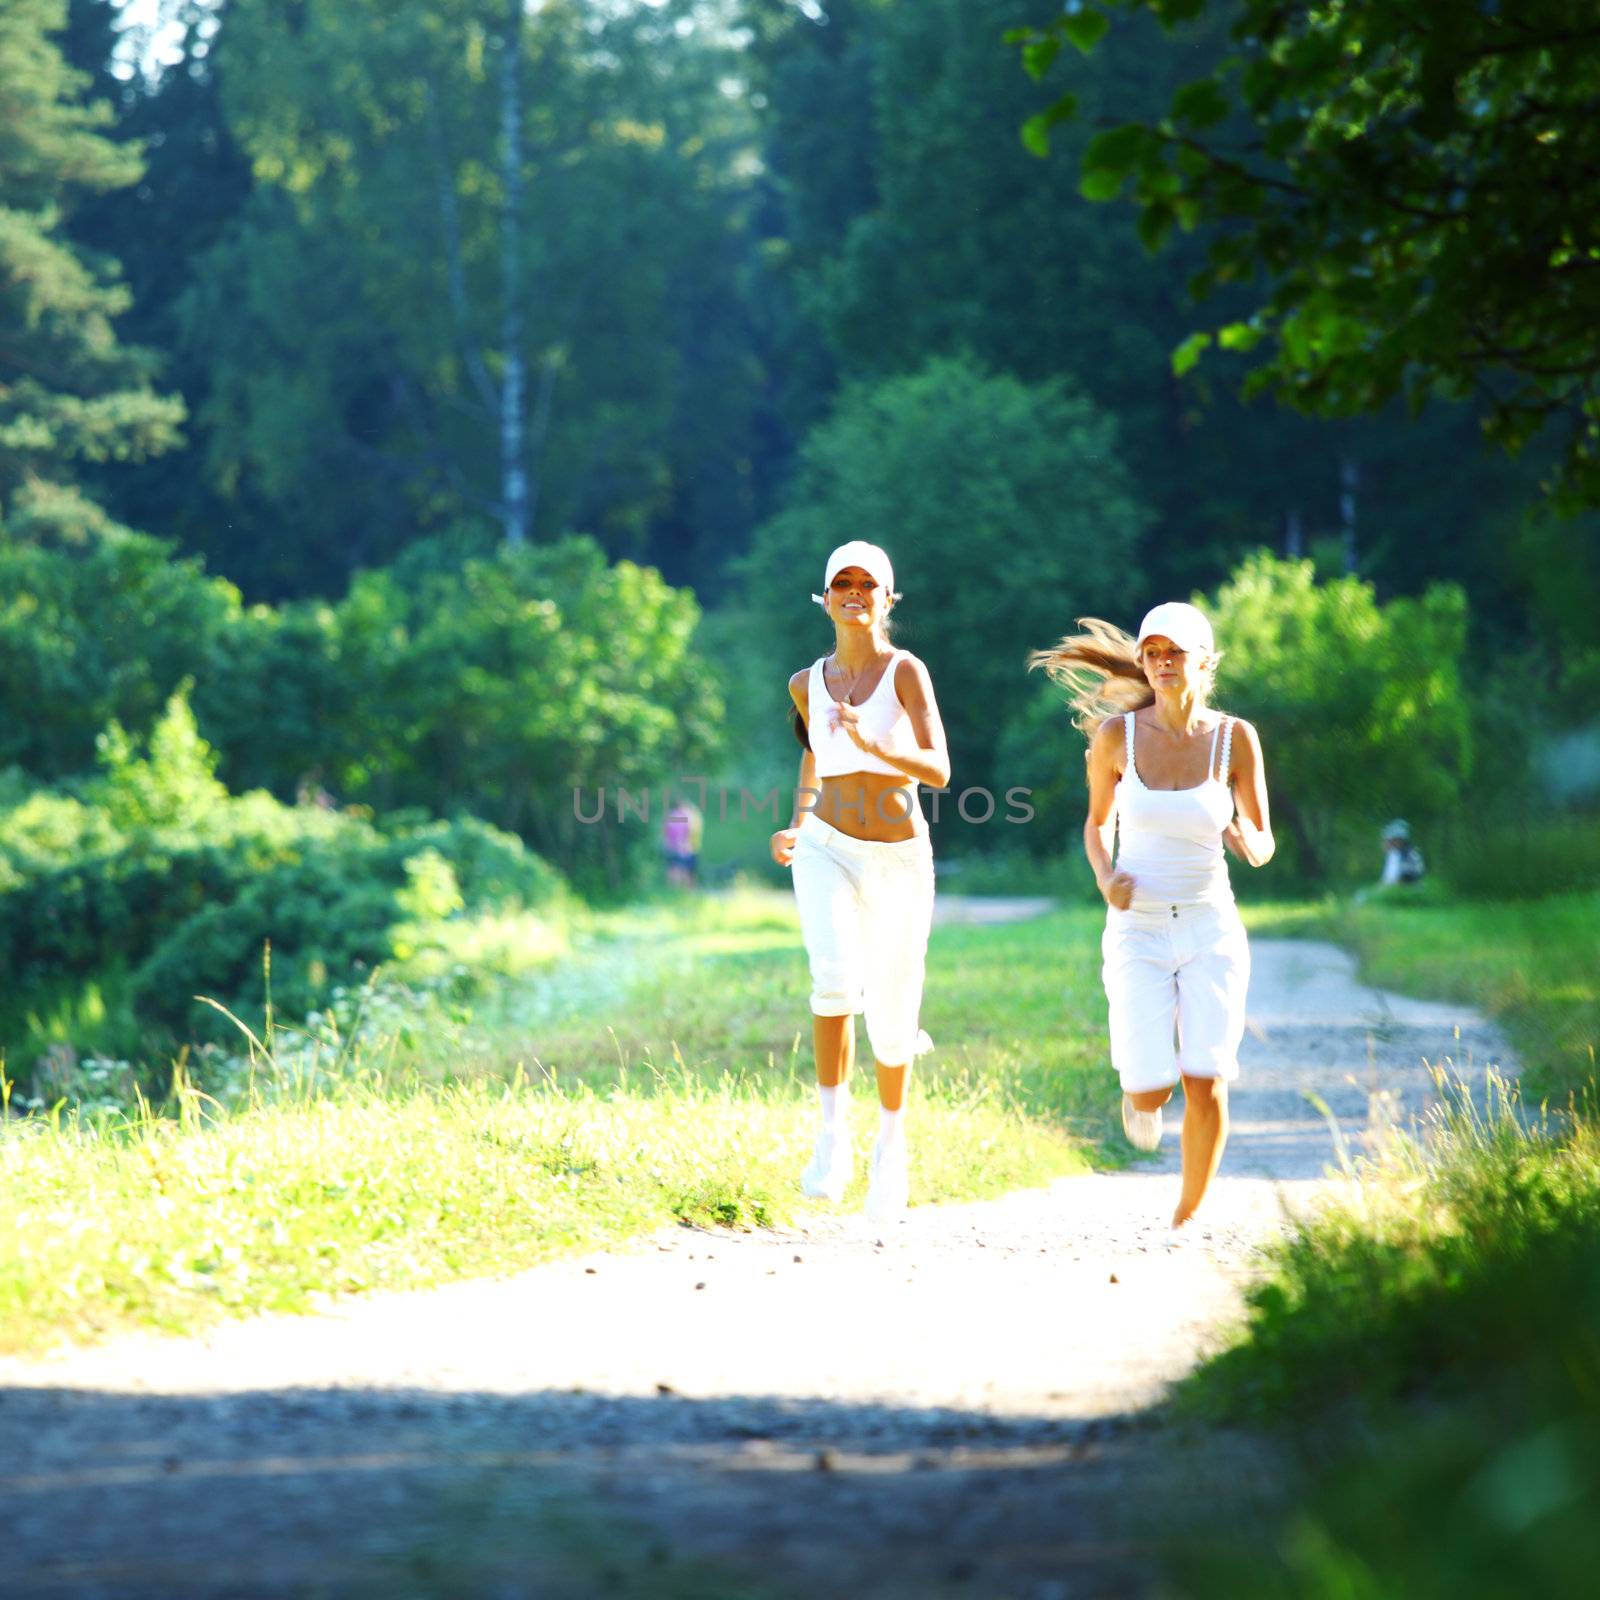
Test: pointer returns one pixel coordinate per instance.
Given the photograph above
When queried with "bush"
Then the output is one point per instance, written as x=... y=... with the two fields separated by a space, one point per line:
x=154 y=868
x=502 y=684
x=454 y=682
x=1360 y=706
x=97 y=634
x=1522 y=859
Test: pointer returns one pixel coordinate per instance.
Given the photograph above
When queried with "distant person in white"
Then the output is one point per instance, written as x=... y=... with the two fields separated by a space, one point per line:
x=863 y=863
x=1166 y=773
x=1402 y=861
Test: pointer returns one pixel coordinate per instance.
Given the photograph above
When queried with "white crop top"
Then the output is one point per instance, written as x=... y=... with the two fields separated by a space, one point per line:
x=1170 y=840
x=882 y=719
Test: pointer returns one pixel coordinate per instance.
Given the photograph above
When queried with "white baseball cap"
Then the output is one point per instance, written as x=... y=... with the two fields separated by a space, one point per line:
x=857 y=553
x=1185 y=625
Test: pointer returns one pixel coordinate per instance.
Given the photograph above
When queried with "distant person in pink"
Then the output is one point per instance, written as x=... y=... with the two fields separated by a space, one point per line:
x=681 y=831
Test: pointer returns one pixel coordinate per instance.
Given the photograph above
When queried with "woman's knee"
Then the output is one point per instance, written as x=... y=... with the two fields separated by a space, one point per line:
x=835 y=982
x=1150 y=1099
x=1204 y=1092
x=893 y=1039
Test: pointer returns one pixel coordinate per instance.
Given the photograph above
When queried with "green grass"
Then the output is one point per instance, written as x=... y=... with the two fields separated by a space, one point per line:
x=661 y=1073
x=1428 y=1358
x=1532 y=965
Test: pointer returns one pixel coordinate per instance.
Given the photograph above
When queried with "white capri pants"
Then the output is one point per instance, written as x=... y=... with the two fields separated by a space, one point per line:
x=1182 y=969
x=865 y=910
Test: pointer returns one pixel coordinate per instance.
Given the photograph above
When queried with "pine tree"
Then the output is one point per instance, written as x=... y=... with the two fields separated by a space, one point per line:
x=70 y=393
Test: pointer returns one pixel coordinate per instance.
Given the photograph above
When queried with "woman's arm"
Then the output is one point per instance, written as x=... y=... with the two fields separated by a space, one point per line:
x=806 y=787
x=929 y=762
x=1105 y=769
x=1249 y=835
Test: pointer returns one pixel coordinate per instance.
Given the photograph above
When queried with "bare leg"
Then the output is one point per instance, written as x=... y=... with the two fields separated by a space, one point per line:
x=1205 y=1133
x=1150 y=1099
x=892 y=1086
x=834 y=1041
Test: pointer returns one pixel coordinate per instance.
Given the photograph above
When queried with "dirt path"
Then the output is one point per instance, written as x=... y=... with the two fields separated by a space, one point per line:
x=940 y=1408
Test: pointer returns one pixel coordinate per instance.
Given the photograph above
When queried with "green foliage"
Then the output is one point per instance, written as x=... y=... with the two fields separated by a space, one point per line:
x=350 y=323
x=509 y=681
x=1361 y=707
x=173 y=785
x=1407 y=178
x=70 y=394
x=960 y=475
x=917 y=225
x=1040 y=750
x=1446 y=1328
x=1522 y=858
x=154 y=871
x=457 y=681
x=397 y=1142
x=99 y=634
x=329 y=914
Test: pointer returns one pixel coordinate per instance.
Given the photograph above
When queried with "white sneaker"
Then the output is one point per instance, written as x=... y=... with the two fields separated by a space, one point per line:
x=828 y=1174
x=889 y=1185
x=1143 y=1128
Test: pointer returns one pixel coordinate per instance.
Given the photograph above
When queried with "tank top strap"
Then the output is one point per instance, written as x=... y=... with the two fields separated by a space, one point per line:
x=889 y=671
x=1225 y=767
x=1127 y=739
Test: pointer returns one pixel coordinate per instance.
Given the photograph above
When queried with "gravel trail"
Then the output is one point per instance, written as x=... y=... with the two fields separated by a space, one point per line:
x=944 y=1407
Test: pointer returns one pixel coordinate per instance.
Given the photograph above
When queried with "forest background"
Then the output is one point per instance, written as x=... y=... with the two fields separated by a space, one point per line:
x=416 y=416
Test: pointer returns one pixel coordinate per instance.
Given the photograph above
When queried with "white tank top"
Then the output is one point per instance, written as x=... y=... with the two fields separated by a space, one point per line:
x=882 y=718
x=1170 y=840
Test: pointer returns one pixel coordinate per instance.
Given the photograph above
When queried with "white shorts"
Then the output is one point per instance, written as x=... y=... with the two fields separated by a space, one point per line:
x=1175 y=980
x=865 y=910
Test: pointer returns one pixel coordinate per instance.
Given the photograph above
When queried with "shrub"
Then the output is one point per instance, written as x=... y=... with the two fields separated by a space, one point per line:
x=1360 y=706
x=155 y=868
x=97 y=634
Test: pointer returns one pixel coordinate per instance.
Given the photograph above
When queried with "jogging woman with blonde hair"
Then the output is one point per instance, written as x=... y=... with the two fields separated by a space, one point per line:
x=1178 y=782
x=863 y=863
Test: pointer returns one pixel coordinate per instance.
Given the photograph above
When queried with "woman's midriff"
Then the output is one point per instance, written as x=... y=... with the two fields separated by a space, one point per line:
x=872 y=806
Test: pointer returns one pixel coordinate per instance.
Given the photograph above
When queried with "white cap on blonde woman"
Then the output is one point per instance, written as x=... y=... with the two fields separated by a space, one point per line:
x=857 y=553
x=1183 y=624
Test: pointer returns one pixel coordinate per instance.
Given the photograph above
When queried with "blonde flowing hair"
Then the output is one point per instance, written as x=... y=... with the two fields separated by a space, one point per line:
x=1100 y=670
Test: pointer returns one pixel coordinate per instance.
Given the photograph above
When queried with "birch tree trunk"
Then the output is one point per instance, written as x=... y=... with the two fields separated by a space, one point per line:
x=513 y=382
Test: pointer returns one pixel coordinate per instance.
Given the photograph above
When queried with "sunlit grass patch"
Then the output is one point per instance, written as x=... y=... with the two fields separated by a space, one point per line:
x=159 y=1224
x=662 y=1073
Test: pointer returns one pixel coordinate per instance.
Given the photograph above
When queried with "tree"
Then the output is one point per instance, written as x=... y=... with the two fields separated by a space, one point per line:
x=917 y=224
x=194 y=181
x=1418 y=183
x=1361 y=707
x=1006 y=510
x=410 y=324
x=517 y=687
x=70 y=394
